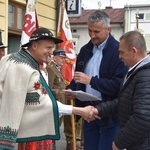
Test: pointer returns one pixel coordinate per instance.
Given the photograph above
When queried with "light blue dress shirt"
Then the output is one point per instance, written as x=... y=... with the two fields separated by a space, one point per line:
x=93 y=66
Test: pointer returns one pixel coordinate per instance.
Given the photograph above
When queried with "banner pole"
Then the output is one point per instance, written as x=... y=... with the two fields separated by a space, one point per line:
x=71 y=101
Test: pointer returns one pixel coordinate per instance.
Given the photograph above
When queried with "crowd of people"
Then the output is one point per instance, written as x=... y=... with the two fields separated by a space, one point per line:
x=31 y=107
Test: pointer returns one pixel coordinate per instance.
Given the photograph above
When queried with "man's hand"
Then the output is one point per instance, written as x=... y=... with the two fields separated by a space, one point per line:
x=92 y=115
x=82 y=77
x=89 y=113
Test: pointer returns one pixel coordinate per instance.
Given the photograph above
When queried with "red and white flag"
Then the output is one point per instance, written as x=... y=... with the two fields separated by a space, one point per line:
x=30 y=21
x=64 y=33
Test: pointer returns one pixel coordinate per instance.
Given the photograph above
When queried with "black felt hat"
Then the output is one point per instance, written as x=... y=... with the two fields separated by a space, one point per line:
x=2 y=45
x=40 y=34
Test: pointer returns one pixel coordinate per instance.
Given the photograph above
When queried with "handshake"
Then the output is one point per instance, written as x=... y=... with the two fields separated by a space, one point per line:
x=88 y=113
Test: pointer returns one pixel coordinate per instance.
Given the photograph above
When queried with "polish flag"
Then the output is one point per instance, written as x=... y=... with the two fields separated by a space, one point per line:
x=64 y=33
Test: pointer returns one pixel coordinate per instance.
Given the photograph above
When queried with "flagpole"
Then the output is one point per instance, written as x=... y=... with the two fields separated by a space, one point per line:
x=61 y=18
x=137 y=19
x=73 y=129
x=71 y=101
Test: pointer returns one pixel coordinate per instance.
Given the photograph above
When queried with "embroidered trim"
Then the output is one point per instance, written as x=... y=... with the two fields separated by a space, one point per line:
x=19 y=59
x=39 y=138
x=7 y=143
x=8 y=134
x=23 y=57
x=32 y=98
x=55 y=106
x=38 y=86
x=6 y=147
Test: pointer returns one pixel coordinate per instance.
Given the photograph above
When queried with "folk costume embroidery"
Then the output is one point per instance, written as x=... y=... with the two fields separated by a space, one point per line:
x=20 y=75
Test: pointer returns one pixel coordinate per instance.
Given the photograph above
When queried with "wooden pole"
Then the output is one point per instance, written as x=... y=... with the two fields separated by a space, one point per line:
x=73 y=129
x=71 y=102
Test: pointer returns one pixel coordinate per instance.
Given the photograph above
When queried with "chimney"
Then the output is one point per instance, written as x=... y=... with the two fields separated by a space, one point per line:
x=108 y=7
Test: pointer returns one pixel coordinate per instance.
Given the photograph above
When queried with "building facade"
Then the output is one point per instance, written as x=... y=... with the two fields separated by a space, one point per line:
x=122 y=20
x=79 y=25
x=137 y=17
x=12 y=14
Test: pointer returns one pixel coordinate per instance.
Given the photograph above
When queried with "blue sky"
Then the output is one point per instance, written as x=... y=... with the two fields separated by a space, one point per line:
x=93 y=4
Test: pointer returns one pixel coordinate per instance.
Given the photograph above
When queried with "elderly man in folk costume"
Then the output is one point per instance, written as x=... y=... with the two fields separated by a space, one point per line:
x=29 y=111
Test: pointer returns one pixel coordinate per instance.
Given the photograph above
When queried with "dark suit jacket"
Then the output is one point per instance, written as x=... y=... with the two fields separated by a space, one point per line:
x=111 y=71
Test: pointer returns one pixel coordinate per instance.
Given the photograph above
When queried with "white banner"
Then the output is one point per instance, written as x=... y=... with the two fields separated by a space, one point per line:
x=30 y=21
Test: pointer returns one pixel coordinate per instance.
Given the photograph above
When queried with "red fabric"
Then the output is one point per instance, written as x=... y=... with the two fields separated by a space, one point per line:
x=41 y=63
x=67 y=68
x=37 y=145
x=32 y=146
x=67 y=45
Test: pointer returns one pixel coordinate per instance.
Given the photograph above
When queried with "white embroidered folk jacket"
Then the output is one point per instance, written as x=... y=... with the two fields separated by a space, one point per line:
x=28 y=109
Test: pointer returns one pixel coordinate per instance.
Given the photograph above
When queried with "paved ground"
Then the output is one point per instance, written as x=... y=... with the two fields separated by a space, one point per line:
x=61 y=144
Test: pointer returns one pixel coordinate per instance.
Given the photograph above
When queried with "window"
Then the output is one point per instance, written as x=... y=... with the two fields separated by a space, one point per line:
x=141 y=16
x=20 y=16
x=74 y=31
x=16 y=15
x=147 y=16
x=11 y=16
x=147 y=39
x=75 y=42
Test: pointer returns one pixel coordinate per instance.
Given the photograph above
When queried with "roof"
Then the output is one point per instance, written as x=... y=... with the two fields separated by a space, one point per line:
x=116 y=16
x=137 y=6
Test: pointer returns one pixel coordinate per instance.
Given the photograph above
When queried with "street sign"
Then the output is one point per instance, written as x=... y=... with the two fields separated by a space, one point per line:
x=73 y=8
